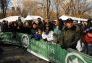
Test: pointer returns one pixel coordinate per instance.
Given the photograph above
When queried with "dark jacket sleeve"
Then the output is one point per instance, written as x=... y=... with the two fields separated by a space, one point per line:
x=76 y=38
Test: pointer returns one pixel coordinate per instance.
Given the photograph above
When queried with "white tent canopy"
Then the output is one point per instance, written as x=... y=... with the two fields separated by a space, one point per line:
x=63 y=17
x=29 y=17
x=11 y=18
x=1 y=20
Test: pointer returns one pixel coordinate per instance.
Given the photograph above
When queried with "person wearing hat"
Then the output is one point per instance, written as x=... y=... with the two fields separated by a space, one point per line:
x=87 y=38
x=70 y=35
x=89 y=23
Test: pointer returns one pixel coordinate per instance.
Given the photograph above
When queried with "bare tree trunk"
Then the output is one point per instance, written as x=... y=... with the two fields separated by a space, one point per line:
x=48 y=9
x=4 y=4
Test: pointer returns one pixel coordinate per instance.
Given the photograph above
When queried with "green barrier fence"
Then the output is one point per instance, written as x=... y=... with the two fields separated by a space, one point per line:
x=54 y=52
x=19 y=39
x=46 y=50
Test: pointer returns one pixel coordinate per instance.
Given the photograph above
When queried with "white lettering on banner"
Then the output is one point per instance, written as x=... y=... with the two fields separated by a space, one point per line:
x=25 y=40
x=77 y=58
x=52 y=50
x=43 y=46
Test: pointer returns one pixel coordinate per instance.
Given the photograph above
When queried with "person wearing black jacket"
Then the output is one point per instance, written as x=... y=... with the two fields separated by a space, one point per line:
x=49 y=24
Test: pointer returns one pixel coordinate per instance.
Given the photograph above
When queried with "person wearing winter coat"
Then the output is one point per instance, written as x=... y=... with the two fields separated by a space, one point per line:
x=58 y=34
x=47 y=35
x=40 y=24
x=70 y=35
x=48 y=23
x=36 y=32
x=87 y=39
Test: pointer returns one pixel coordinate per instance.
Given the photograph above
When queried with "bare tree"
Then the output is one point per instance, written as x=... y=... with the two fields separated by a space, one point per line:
x=4 y=5
x=48 y=8
x=32 y=7
x=57 y=7
x=76 y=8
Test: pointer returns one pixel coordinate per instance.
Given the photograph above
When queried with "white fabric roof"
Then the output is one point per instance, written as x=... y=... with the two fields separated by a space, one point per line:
x=1 y=20
x=11 y=18
x=63 y=17
x=29 y=17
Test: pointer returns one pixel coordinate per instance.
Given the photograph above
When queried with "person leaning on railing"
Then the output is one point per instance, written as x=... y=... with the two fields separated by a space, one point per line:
x=36 y=31
x=70 y=35
x=87 y=38
x=47 y=35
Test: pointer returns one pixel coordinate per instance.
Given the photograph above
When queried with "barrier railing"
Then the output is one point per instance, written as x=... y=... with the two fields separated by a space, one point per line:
x=46 y=50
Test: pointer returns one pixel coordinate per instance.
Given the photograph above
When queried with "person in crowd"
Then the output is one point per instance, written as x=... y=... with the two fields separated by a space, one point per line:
x=49 y=24
x=19 y=19
x=40 y=24
x=89 y=23
x=70 y=35
x=4 y=26
x=14 y=26
x=79 y=27
x=10 y=25
x=34 y=27
x=14 y=29
x=27 y=27
x=36 y=32
x=85 y=24
x=20 y=26
x=87 y=38
x=58 y=31
x=30 y=24
x=54 y=23
x=47 y=35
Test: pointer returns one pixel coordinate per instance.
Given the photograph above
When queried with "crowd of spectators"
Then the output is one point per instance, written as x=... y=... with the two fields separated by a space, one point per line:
x=66 y=33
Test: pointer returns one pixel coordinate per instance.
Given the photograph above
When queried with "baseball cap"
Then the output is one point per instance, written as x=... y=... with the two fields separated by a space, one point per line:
x=69 y=20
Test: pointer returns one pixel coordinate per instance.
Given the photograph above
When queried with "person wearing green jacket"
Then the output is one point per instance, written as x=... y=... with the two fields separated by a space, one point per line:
x=71 y=35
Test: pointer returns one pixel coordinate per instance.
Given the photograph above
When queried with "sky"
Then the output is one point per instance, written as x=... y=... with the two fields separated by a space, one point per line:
x=10 y=4
x=19 y=2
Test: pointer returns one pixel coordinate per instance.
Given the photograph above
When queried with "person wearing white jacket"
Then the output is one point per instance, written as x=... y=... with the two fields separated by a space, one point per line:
x=48 y=34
